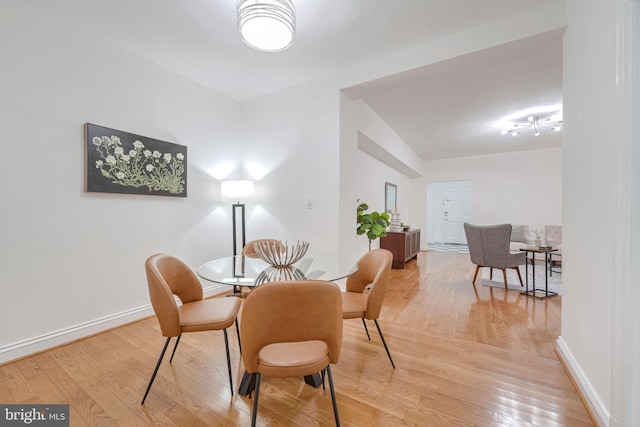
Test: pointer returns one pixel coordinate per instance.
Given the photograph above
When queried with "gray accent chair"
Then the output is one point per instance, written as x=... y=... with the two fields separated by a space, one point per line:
x=489 y=247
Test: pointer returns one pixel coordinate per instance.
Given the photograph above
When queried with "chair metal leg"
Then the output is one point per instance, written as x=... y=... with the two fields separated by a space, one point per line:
x=254 y=416
x=155 y=371
x=366 y=329
x=385 y=343
x=252 y=384
x=174 y=348
x=490 y=273
x=322 y=374
x=333 y=396
x=226 y=344
x=238 y=332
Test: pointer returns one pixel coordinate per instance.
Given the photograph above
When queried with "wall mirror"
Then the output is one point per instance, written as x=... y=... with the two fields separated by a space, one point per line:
x=390 y=197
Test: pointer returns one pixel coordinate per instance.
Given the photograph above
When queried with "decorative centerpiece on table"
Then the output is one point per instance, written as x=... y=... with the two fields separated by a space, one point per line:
x=281 y=255
x=396 y=224
x=279 y=274
x=539 y=235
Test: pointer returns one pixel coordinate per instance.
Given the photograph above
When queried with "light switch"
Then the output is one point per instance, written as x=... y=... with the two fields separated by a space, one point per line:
x=309 y=203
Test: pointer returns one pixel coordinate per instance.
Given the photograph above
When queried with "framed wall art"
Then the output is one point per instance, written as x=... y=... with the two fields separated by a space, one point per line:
x=390 y=197
x=122 y=162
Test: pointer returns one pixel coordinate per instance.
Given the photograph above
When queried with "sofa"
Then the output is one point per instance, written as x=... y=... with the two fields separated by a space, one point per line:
x=553 y=236
x=520 y=237
x=523 y=235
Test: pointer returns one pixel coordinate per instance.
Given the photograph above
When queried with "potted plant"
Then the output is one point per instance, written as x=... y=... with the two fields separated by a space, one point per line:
x=372 y=224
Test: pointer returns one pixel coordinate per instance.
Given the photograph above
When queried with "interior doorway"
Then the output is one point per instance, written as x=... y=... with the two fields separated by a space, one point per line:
x=449 y=206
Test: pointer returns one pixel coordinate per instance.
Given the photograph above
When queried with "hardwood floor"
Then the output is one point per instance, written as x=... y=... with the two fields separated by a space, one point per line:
x=465 y=356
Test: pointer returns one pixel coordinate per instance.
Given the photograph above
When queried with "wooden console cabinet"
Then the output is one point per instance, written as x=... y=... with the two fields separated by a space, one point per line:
x=404 y=246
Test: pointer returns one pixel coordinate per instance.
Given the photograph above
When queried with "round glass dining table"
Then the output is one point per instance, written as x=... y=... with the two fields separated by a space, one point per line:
x=250 y=271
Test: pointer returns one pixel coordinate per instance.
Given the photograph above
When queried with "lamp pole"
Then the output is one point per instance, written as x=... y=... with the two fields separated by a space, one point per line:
x=237 y=209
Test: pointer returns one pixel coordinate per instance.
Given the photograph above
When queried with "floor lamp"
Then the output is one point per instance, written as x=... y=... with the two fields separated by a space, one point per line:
x=238 y=190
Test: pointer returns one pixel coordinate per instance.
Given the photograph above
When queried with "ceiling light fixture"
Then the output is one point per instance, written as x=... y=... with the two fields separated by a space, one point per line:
x=535 y=124
x=267 y=25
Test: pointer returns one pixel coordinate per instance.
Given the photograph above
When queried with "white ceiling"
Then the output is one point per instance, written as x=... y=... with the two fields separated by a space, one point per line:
x=443 y=110
x=452 y=108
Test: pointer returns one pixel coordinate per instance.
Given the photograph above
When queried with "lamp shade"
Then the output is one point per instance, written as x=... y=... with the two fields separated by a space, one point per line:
x=236 y=189
x=267 y=25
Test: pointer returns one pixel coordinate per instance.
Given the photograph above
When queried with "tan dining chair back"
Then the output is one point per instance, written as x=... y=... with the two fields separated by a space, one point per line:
x=250 y=251
x=168 y=276
x=291 y=329
x=489 y=246
x=249 y=248
x=366 y=289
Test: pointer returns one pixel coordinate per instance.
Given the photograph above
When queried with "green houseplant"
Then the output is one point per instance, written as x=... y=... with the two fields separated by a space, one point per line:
x=372 y=224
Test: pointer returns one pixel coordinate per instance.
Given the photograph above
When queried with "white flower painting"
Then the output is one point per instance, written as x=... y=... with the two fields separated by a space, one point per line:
x=120 y=162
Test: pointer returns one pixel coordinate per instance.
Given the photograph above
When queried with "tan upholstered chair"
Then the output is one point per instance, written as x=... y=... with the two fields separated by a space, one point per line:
x=489 y=247
x=365 y=290
x=249 y=249
x=168 y=276
x=291 y=329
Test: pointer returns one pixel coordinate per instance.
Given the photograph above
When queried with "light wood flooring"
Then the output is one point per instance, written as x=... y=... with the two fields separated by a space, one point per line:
x=465 y=356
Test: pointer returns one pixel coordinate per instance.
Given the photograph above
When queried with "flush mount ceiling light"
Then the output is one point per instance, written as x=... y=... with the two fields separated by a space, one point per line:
x=535 y=124
x=267 y=25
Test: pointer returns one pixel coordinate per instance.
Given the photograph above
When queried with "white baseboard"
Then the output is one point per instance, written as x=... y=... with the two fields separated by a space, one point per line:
x=52 y=339
x=596 y=406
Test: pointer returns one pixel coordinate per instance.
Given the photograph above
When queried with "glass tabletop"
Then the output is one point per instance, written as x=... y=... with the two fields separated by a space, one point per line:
x=243 y=270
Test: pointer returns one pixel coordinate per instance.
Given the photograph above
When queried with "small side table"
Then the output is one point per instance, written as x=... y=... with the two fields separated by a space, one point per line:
x=534 y=292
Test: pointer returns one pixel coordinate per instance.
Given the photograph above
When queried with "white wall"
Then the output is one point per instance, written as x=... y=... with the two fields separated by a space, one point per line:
x=596 y=183
x=589 y=61
x=518 y=188
x=72 y=260
x=295 y=143
x=363 y=177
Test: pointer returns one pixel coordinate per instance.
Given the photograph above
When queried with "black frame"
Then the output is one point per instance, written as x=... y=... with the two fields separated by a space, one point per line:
x=123 y=162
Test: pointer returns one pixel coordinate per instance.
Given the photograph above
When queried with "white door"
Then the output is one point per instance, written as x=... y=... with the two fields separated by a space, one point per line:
x=449 y=206
x=456 y=210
